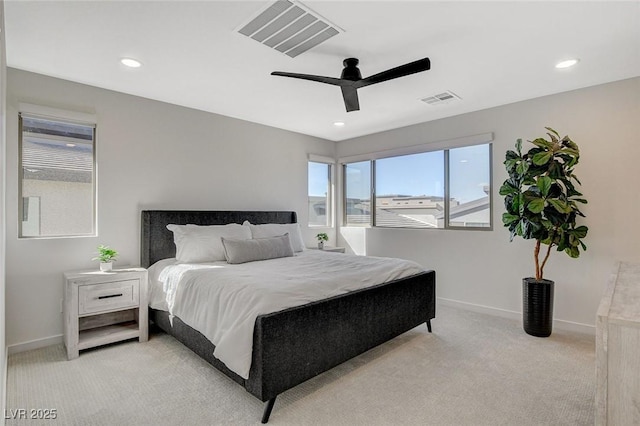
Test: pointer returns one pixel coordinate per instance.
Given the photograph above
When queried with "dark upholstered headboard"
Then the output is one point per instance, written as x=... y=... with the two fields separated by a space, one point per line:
x=157 y=243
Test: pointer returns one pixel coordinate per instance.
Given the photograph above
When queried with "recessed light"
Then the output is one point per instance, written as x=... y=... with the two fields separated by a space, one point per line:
x=132 y=63
x=71 y=145
x=568 y=63
x=338 y=123
x=464 y=161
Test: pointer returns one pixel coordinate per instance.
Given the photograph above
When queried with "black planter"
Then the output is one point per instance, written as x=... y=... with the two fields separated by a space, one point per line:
x=537 y=307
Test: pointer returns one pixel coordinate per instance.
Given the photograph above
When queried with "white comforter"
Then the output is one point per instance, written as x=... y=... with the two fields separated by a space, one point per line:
x=222 y=301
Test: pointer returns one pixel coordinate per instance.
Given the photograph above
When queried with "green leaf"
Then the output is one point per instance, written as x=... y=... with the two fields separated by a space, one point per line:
x=507 y=189
x=511 y=155
x=542 y=158
x=522 y=167
x=571 y=144
x=536 y=205
x=553 y=131
x=542 y=143
x=580 y=231
x=519 y=229
x=510 y=164
x=519 y=147
x=508 y=218
x=520 y=202
x=573 y=252
x=560 y=205
x=544 y=183
x=574 y=177
x=580 y=200
x=570 y=151
x=556 y=171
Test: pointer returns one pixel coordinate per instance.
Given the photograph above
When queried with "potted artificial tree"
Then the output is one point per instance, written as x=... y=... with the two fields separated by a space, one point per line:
x=541 y=200
x=106 y=256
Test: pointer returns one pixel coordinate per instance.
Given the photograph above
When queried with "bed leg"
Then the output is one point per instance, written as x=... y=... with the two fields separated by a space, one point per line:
x=267 y=409
x=429 y=325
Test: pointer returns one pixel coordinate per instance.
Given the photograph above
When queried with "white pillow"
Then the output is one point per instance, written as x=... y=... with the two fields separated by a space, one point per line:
x=276 y=230
x=242 y=251
x=197 y=244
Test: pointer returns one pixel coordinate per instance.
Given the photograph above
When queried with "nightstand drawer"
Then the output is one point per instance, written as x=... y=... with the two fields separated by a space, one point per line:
x=103 y=297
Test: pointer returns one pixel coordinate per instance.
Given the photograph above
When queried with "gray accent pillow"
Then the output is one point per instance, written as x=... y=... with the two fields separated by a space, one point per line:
x=242 y=251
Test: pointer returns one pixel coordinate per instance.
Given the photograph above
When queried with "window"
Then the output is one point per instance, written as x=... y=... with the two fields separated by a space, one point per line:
x=410 y=191
x=57 y=181
x=470 y=187
x=320 y=185
x=357 y=190
x=449 y=188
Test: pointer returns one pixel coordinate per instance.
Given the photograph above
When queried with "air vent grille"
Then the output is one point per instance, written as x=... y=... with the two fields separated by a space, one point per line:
x=289 y=27
x=441 y=98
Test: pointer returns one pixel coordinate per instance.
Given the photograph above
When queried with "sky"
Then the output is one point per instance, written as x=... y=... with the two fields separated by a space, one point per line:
x=417 y=174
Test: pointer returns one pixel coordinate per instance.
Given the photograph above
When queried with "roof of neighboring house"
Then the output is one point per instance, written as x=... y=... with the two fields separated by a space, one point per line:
x=46 y=161
x=466 y=208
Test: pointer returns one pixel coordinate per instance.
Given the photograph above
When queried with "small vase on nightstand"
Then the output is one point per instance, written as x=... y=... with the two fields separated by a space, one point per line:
x=320 y=245
x=106 y=266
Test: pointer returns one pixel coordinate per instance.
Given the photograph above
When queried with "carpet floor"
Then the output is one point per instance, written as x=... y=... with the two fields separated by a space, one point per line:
x=474 y=369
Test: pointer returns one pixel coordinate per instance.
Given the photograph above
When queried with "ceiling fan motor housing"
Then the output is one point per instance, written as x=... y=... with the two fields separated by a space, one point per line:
x=351 y=70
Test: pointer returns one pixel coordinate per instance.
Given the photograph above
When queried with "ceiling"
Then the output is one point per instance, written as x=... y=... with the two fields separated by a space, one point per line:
x=488 y=53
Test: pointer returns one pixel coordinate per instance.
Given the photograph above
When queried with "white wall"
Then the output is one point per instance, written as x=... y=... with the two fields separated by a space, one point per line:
x=3 y=86
x=151 y=155
x=156 y=155
x=483 y=268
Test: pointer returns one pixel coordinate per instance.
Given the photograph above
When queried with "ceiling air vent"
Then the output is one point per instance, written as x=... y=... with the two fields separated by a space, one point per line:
x=289 y=27
x=441 y=98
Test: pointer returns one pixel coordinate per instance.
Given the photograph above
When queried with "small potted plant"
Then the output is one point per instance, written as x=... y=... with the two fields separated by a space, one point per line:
x=106 y=256
x=322 y=237
x=542 y=203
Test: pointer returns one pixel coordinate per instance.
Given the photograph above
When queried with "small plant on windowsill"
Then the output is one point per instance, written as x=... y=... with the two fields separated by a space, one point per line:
x=106 y=256
x=322 y=237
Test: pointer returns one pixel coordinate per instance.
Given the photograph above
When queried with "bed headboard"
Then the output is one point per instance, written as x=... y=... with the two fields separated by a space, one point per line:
x=156 y=242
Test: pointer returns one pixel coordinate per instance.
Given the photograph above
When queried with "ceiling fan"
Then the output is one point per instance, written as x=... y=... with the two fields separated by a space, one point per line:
x=351 y=79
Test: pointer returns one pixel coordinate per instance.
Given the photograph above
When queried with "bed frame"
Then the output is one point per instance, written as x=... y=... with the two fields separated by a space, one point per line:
x=296 y=344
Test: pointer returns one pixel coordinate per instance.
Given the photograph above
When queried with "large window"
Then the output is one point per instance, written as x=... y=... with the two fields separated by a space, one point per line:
x=320 y=188
x=448 y=188
x=57 y=178
x=410 y=190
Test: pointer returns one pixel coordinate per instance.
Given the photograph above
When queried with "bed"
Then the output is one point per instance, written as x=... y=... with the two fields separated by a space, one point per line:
x=295 y=344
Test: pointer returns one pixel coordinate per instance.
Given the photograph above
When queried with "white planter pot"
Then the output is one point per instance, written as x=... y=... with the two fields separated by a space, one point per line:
x=320 y=245
x=106 y=266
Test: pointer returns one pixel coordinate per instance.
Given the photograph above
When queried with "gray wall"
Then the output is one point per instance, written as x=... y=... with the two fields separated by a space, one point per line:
x=482 y=269
x=3 y=86
x=156 y=155
x=150 y=155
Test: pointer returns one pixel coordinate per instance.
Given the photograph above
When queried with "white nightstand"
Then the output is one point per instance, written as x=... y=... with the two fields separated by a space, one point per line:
x=331 y=249
x=104 y=307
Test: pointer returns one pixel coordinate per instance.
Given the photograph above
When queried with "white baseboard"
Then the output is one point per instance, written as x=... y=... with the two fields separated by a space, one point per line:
x=557 y=324
x=34 y=344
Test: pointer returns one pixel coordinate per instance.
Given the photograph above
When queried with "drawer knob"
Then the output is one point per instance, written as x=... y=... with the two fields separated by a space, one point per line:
x=110 y=296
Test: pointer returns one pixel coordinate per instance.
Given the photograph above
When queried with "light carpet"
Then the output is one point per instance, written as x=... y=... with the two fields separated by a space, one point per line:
x=475 y=369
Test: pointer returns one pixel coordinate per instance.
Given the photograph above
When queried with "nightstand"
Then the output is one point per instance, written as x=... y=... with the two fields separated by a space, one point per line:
x=331 y=249
x=104 y=307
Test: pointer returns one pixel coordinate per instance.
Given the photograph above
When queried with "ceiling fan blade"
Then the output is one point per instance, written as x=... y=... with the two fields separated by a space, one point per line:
x=350 y=95
x=401 y=71
x=318 y=78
